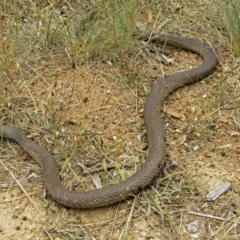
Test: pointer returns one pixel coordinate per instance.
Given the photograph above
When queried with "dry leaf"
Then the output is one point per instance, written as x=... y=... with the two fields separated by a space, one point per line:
x=171 y=112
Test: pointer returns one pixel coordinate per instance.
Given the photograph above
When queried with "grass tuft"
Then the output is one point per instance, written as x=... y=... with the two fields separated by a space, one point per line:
x=231 y=9
x=108 y=30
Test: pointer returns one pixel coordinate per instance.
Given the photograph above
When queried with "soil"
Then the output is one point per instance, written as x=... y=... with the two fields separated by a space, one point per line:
x=92 y=116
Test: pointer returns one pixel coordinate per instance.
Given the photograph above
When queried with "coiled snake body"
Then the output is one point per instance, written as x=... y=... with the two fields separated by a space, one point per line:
x=156 y=136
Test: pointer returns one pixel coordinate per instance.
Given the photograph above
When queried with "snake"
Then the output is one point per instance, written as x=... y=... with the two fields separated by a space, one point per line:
x=156 y=157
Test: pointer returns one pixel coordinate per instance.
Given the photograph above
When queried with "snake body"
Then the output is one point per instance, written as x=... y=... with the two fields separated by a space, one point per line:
x=155 y=129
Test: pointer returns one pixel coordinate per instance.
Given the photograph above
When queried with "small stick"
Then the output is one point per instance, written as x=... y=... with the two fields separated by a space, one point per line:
x=211 y=216
x=47 y=233
x=100 y=169
x=19 y=184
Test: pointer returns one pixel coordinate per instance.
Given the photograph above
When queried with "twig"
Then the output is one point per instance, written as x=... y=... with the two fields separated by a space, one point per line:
x=19 y=184
x=211 y=216
x=204 y=117
x=47 y=233
x=127 y=225
x=88 y=235
x=100 y=168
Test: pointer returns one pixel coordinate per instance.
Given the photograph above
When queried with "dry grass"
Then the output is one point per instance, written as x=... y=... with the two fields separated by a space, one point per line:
x=74 y=77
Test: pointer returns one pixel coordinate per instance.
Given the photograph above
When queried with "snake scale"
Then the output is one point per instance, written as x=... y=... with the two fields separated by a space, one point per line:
x=155 y=129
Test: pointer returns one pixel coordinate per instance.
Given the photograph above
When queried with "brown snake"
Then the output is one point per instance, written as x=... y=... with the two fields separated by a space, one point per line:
x=156 y=136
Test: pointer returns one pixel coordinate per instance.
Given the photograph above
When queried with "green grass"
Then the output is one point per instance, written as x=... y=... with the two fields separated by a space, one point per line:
x=74 y=34
x=231 y=9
